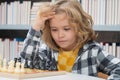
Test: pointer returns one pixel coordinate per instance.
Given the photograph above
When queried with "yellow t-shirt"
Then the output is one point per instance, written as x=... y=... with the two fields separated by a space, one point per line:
x=66 y=59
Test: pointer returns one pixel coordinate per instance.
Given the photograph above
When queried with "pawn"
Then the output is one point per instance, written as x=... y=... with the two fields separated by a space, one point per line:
x=11 y=66
x=17 y=68
x=4 y=67
x=15 y=60
x=22 y=68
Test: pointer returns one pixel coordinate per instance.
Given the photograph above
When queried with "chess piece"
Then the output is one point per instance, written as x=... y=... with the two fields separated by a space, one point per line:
x=26 y=63
x=19 y=59
x=22 y=68
x=4 y=67
x=17 y=68
x=11 y=66
x=15 y=60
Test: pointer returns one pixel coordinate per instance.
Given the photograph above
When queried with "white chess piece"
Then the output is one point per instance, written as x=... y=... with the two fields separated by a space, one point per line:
x=11 y=66
x=4 y=68
x=22 y=68
x=17 y=68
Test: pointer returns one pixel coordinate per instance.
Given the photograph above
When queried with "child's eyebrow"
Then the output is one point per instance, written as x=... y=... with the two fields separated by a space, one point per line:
x=62 y=26
x=52 y=27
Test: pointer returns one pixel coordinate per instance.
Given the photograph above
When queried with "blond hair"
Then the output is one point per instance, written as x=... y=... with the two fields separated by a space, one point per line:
x=78 y=18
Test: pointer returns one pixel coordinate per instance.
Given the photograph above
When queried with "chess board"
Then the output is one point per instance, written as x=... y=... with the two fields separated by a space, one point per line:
x=31 y=74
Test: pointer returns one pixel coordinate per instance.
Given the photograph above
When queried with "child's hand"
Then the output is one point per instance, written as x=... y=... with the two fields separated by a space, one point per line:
x=45 y=12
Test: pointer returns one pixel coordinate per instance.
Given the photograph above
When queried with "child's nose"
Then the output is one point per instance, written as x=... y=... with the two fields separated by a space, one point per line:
x=60 y=34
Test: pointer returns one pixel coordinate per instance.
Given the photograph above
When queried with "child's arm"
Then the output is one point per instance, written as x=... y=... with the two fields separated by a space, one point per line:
x=110 y=65
x=31 y=44
x=33 y=41
x=37 y=53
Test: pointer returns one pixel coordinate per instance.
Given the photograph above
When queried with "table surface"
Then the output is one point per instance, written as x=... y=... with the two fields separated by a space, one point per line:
x=68 y=76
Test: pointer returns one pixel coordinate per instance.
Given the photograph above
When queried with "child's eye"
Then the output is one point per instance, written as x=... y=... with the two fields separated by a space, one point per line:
x=53 y=29
x=67 y=29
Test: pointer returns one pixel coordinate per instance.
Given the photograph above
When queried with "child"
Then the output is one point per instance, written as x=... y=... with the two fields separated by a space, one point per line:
x=62 y=38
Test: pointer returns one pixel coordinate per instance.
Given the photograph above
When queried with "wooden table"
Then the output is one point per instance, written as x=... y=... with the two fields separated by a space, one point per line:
x=47 y=76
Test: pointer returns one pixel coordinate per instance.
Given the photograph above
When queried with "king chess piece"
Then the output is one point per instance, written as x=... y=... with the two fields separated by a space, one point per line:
x=26 y=63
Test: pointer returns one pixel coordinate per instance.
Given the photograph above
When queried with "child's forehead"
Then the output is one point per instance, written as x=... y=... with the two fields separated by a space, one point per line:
x=59 y=17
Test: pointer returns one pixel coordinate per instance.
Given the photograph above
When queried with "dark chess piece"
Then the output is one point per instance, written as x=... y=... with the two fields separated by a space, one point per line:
x=19 y=59
x=15 y=59
x=31 y=65
x=26 y=63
